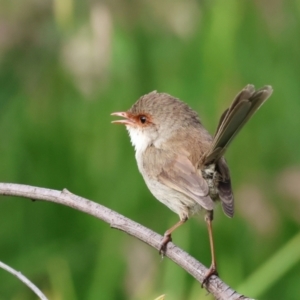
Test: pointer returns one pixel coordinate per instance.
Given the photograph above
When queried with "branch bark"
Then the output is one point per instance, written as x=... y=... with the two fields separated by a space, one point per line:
x=215 y=286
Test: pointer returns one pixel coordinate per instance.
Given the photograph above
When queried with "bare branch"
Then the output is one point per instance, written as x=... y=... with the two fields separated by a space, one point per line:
x=24 y=279
x=215 y=286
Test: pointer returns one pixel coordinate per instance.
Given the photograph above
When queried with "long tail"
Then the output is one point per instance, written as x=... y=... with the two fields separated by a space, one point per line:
x=245 y=104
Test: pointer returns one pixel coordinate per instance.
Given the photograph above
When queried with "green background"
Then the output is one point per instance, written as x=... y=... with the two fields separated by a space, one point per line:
x=66 y=65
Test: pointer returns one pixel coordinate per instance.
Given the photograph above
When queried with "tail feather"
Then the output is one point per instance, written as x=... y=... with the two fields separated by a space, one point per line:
x=246 y=103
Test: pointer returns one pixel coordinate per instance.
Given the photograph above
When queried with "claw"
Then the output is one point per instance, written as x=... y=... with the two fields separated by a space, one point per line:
x=211 y=271
x=167 y=236
x=163 y=246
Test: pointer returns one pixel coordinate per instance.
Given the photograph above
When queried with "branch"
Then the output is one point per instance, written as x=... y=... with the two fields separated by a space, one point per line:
x=24 y=279
x=215 y=286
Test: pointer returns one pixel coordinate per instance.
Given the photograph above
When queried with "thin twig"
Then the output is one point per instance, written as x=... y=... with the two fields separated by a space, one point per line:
x=24 y=279
x=215 y=286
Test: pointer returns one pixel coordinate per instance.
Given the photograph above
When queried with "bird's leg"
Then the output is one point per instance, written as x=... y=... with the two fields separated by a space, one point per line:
x=213 y=267
x=167 y=236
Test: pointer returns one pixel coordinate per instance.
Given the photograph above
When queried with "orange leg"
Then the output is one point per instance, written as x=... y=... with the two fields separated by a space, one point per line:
x=213 y=267
x=168 y=238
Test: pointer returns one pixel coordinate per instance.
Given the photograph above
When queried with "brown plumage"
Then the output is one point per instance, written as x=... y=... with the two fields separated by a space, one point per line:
x=182 y=164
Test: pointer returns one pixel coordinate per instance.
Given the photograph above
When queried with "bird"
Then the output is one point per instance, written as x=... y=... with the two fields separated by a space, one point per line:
x=182 y=165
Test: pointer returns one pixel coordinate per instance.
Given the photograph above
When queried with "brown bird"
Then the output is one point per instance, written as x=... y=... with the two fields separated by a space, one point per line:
x=181 y=163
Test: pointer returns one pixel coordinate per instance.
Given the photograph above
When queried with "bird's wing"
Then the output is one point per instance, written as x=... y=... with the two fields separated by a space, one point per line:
x=180 y=175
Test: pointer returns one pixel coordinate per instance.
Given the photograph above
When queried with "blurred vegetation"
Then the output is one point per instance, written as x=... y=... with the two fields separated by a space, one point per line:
x=66 y=65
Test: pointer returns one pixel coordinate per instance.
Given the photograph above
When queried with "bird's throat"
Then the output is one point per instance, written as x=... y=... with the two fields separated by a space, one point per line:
x=139 y=139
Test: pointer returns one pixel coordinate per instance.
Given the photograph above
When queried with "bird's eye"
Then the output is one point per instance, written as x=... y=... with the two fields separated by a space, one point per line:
x=143 y=119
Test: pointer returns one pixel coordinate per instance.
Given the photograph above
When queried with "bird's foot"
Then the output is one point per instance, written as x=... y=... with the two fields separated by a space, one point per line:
x=163 y=245
x=211 y=271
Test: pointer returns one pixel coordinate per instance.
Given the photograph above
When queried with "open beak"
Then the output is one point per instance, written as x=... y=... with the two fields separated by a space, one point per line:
x=128 y=119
